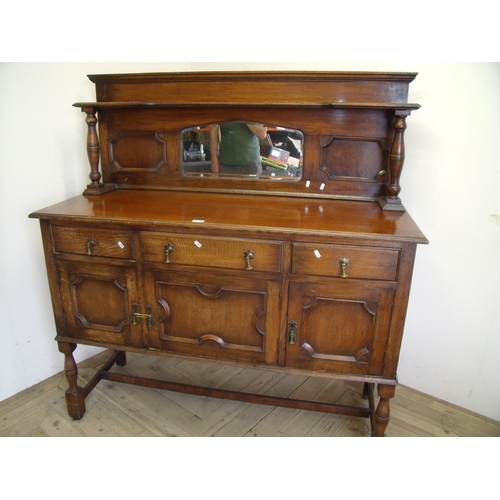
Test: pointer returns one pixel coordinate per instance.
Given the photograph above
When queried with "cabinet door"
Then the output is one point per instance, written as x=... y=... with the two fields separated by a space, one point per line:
x=340 y=326
x=215 y=315
x=98 y=303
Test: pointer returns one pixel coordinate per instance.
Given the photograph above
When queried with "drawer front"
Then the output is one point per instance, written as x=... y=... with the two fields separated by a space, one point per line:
x=228 y=253
x=359 y=262
x=89 y=241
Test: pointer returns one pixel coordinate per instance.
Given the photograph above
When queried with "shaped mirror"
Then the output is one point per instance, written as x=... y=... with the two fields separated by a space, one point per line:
x=240 y=149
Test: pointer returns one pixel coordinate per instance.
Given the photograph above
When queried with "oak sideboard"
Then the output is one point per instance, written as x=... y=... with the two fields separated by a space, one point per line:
x=303 y=265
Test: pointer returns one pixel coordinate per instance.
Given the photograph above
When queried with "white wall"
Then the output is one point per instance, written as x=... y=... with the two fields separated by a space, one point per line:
x=450 y=185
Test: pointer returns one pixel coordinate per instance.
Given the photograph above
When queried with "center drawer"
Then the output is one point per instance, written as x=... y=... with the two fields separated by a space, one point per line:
x=210 y=251
x=345 y=261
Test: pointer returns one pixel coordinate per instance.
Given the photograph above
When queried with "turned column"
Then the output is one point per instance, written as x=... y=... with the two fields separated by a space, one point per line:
x=93 y=153
x=383 y=414
x=75 y=398
x=396 y=161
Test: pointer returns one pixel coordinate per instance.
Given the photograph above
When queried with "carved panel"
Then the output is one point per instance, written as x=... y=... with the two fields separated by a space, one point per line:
x=342 y=325
x=99 y=303
x=340 y=330
x=222 y=317
x=354 y=159
x=137 y=151
x=214 y=314
x=96 y=299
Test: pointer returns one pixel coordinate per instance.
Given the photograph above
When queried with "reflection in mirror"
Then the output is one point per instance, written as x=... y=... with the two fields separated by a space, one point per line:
x=241 y=149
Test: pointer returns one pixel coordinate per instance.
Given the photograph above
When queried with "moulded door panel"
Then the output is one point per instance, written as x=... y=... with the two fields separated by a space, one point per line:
x=98 y=302
x=340 y=326
x=214 y=315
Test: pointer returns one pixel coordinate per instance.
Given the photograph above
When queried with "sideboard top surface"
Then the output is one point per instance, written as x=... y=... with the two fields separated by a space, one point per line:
x=227 y=211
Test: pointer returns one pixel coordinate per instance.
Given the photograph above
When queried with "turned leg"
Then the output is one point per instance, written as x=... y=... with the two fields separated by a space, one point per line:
x=368 y=395
x=75 y=398
x=367 y=389
x=121 y=359
x=382 y=415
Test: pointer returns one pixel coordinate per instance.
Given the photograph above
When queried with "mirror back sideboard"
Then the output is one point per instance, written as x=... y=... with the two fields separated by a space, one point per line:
x=303 y=275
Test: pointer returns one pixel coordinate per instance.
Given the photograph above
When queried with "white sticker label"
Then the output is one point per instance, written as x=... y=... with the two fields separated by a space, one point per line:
x=198 y=221
x=197 y=243
x=308 y=183
x=121 y=245
x=318 y=255
x=322 y=187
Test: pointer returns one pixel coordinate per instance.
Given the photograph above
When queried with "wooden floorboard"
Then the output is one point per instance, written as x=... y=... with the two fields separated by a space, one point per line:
x=122 y=410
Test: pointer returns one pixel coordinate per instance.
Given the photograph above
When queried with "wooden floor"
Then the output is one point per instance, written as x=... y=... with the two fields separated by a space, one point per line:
x=115 y=409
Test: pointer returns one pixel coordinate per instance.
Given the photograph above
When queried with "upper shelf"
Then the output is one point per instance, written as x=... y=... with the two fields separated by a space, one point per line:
x=337 y=105
x=275 y=88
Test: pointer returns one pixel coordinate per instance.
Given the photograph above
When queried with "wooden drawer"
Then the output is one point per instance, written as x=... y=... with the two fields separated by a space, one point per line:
x=89 y=241
x=211 y=251
x=363 y=262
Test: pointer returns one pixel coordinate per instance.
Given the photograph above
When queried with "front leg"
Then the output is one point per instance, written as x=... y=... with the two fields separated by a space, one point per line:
x=382 y=415
x=75 y=398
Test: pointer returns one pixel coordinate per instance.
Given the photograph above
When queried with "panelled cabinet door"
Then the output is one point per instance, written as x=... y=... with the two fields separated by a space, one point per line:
x=214 y=315
x=339 y=326
x=98 y=302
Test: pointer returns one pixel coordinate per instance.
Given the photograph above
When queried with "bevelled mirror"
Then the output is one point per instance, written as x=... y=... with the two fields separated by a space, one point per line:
x=239 y=149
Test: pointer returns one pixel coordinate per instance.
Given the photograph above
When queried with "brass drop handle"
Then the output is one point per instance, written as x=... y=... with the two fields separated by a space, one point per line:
x=343 y=262
x=169 y=248
x=292 y=335
x=138 y=315
x=249 y=255
x=91 y=243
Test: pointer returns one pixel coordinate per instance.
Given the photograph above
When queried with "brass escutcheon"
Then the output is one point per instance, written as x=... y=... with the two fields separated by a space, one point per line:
x=292 y=336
